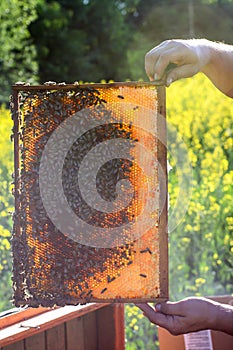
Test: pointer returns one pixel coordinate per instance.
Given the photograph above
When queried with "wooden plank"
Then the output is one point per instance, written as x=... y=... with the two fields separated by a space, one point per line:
x=119 y=326
x=168 y=342
x=47 y=320
x=55 y=338
x=105 y=327
x=90 y=331
x=222 y=340
x=16 y=346
x=110 y=328
x=36 y=342
x=22 y=315
x=75 y=334
x=12 y=334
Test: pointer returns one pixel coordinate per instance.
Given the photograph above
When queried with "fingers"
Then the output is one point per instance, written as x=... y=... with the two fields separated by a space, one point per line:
x=185 y=71
x=145 y=308
x=170 y=308
x=155 y=317
x=172 y=323
x=158 y=61
x=184 y=308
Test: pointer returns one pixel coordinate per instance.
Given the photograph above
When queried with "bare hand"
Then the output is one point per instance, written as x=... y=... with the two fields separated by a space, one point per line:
x=190 y=315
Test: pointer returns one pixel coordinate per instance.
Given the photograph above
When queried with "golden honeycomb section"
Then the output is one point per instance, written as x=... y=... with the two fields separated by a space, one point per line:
x=53 y=266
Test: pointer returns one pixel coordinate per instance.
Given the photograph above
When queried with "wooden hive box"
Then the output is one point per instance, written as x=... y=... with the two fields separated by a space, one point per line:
x=90 y=222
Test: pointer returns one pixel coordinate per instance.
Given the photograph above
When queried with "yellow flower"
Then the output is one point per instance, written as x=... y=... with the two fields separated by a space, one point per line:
x=186 y=240
x=200 y=281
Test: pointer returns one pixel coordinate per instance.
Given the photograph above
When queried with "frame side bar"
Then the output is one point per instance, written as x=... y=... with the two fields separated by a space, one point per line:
x=163 y=201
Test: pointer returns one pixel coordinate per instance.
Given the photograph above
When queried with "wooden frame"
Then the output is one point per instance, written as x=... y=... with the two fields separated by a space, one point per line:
x=21 y=251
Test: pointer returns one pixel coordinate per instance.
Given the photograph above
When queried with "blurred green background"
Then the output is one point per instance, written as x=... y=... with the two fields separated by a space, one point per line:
x=94 y=40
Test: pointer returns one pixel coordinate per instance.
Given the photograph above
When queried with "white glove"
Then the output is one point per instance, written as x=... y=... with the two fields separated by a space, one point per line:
x=176 y=59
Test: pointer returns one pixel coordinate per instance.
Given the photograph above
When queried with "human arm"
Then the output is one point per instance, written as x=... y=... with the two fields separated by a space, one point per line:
x=190 y=315
x=189 y=57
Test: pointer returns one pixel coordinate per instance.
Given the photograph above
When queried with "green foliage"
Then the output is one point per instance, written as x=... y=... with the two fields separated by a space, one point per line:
x=79 y=40
x=201 y=259
x=6 y=207
x=17 y=54
x=91 y=40
x=155 y=21
x=140 y=333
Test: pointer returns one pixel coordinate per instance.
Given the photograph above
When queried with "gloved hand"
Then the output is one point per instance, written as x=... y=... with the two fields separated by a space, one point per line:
x=176 y=59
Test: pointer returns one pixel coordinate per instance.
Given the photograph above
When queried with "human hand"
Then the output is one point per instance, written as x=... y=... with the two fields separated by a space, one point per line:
x=190 y=315
x=176 y=59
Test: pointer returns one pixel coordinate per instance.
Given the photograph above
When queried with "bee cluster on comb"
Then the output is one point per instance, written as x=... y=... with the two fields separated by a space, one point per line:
x=90 y=221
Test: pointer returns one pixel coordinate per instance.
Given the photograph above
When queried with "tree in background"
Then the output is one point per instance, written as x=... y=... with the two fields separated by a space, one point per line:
x=155 y=21
x=82 y=40
x=92 y=40
x=17 y=53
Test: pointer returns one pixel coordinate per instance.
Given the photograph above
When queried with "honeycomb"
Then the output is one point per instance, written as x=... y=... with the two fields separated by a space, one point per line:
x=90 y=221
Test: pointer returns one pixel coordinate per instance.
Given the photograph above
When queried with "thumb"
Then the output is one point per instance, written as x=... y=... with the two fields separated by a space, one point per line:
x=169 y=308
x=185 y=71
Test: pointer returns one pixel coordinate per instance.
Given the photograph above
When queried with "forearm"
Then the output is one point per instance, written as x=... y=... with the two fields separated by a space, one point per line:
x=222 y=318
x=219 y=65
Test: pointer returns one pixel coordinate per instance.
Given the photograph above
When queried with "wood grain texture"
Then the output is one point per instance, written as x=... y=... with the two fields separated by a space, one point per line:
x=90 y=331
x=36 y=342
x=75 y=334
x=16 y=346
x=110 y=325
x=55 y=338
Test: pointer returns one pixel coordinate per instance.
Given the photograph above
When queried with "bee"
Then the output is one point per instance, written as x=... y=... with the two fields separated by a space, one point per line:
x=103 y=290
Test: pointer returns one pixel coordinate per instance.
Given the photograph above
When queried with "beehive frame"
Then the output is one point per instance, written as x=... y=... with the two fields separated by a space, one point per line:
x=52 y=267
